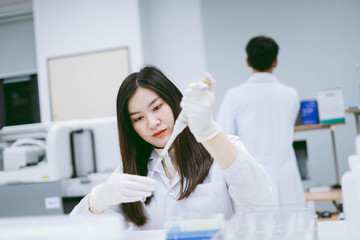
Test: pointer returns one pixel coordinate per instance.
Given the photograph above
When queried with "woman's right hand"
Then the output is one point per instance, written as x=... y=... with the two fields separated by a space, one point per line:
x=120 y=188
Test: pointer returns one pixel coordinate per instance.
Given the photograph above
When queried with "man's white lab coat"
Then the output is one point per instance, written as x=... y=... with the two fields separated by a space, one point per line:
x=262 y=112
x=244 y=185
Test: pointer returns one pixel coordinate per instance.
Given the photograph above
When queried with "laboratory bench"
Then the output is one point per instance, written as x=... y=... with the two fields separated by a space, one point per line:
x=75 y=189
x=315 y=126
x=332 y=133
x=46 y=197
x=108 y=228
x=356 y=112
x=330 y=230
x=51 y=197
x=334 y=195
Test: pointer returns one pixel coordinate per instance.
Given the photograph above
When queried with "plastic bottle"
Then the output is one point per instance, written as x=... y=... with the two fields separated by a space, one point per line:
x=350 y=182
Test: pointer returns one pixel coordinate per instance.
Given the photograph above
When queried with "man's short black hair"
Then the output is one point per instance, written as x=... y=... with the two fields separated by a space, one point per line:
x=261 y=51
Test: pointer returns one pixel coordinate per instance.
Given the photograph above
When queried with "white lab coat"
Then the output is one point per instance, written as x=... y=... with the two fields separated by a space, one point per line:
x=262 y=111
x=245 y=184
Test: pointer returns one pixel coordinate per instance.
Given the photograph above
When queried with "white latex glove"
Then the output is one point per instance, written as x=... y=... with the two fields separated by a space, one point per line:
x=197 y=103
x=120 y=188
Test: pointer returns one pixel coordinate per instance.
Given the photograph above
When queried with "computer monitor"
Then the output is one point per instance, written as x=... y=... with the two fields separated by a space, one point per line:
x=19 y=101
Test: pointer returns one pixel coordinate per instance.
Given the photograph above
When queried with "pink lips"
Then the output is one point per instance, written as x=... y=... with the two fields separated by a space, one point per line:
x=159 y=133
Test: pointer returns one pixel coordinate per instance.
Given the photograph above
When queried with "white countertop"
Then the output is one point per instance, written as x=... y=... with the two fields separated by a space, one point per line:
x=109 y=227
x=332 y=230
x=327 y=230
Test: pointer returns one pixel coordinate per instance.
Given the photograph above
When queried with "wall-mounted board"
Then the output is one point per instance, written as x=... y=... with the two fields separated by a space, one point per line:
x=85 y=86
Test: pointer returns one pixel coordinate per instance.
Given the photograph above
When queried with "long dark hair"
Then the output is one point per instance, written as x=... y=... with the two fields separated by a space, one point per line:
x=192 y=158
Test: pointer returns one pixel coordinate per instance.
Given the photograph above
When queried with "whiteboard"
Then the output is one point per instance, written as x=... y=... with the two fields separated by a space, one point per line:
x=85 y=86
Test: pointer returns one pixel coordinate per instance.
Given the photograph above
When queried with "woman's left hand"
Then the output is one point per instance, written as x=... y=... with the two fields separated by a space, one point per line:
x=197 y=103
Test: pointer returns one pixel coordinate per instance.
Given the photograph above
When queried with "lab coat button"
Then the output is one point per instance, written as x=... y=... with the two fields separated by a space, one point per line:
x=171 y=193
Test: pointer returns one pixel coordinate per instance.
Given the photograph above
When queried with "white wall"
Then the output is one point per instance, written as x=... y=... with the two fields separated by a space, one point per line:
x=17 y=46
x=319 y=49
x=173 y=39
x=73 y=27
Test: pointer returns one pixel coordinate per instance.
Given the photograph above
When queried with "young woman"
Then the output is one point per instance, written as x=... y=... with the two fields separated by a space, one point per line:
x=205 y=172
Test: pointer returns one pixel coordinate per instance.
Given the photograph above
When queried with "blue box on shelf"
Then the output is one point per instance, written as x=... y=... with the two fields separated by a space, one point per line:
x=309 y=112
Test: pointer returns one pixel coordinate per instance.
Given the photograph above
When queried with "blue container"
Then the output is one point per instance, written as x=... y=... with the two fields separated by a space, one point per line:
x=191 y=235
x=309 y=112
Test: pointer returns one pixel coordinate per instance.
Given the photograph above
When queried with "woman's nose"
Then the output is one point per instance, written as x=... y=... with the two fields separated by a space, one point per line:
x=154 y=122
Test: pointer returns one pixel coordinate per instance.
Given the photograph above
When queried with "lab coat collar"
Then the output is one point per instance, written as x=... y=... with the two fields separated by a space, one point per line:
x=262 y=77
x=152 y=160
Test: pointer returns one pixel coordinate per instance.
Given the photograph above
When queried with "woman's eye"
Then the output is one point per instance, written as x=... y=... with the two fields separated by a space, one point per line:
x=138 y=119
x=157 y=107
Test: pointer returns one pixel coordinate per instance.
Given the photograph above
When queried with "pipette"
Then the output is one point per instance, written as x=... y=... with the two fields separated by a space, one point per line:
x=180 y=124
